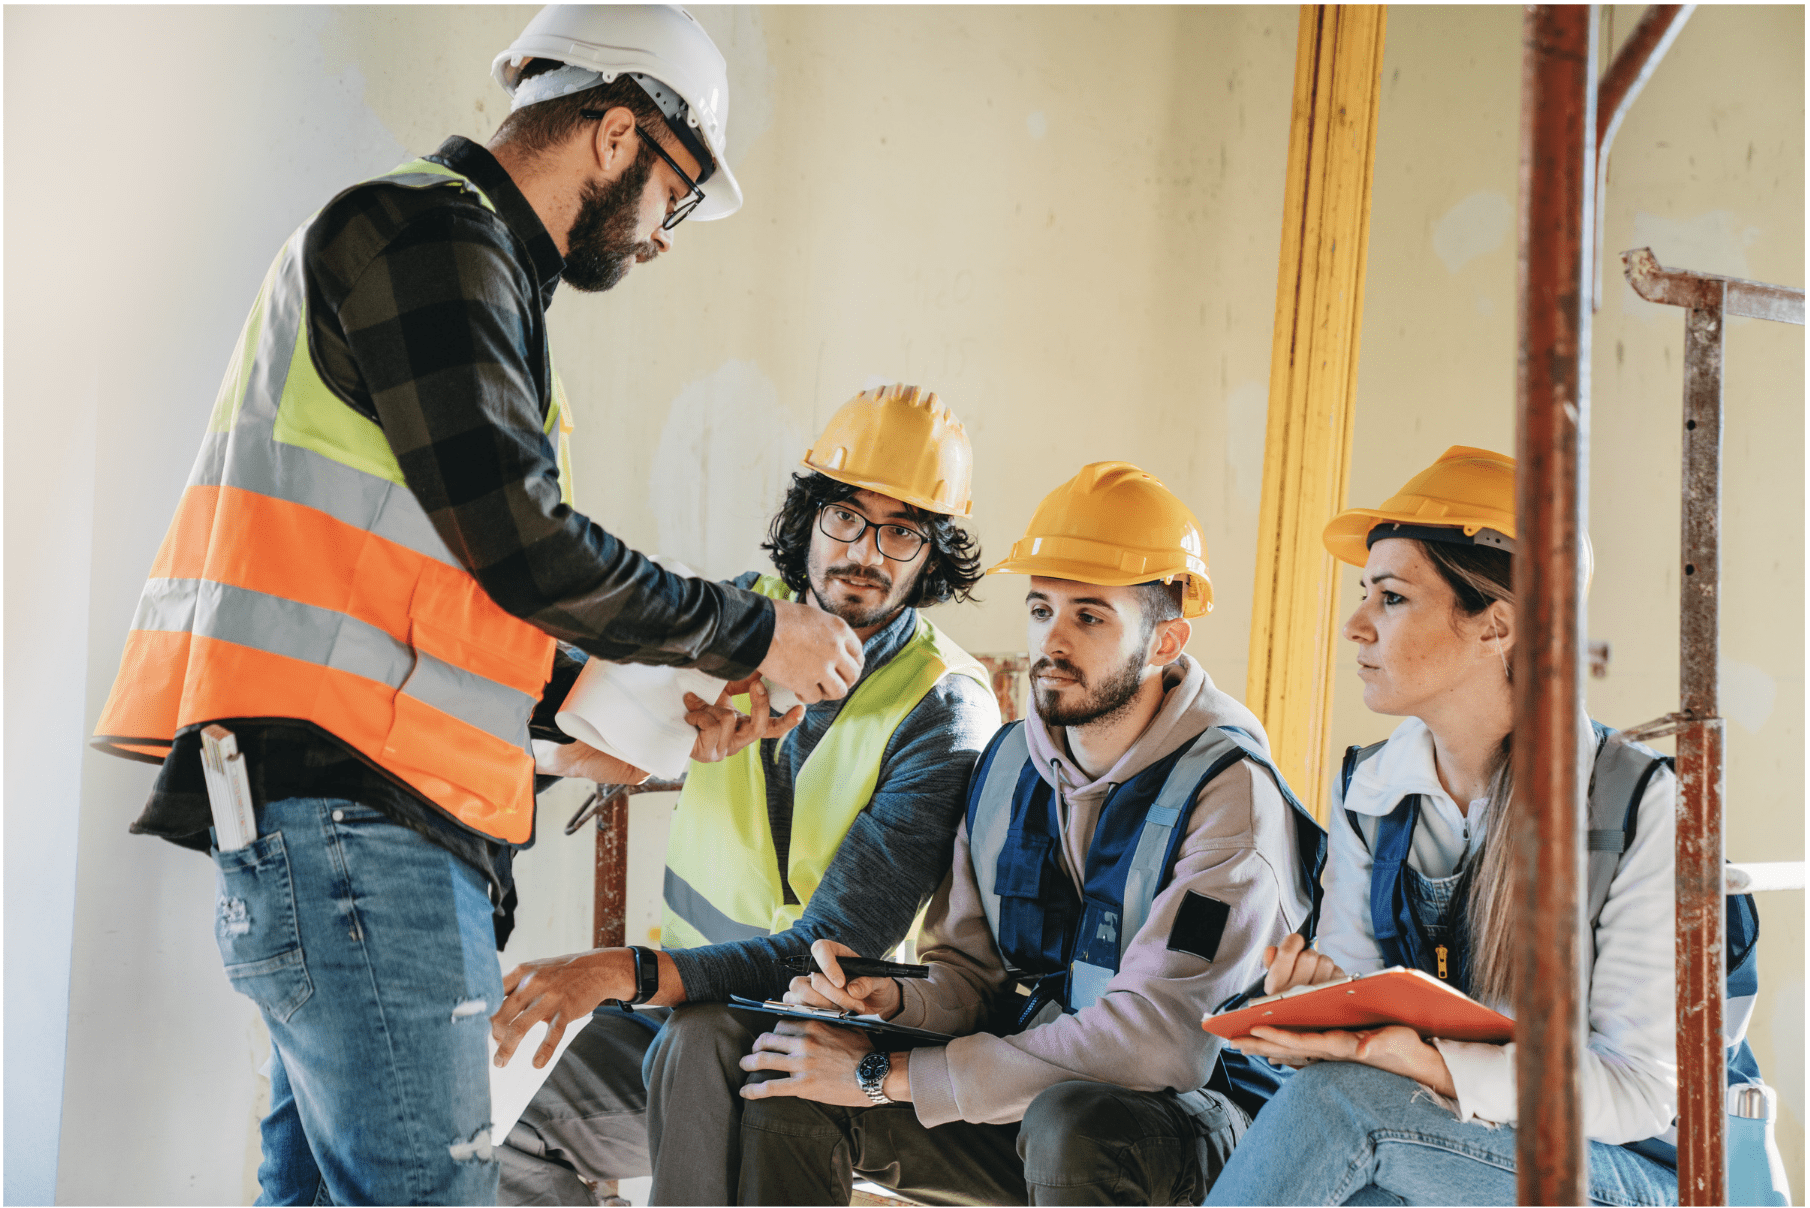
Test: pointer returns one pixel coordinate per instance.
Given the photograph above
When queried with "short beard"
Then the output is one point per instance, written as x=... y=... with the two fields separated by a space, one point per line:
x=601 y=246
x=857 y=616
x=1112 y=696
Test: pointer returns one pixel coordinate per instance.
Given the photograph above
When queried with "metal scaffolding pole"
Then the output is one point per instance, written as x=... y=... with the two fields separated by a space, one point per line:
x=1558 y=146
x=1707 y=302
x=1627 y=75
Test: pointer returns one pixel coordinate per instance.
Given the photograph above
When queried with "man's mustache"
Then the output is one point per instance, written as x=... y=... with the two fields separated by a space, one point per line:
x=861 y=574
x=1060 y=667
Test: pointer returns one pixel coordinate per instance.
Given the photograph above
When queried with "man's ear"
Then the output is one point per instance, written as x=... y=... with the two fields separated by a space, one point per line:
x=614 y=143
x=1171 y=639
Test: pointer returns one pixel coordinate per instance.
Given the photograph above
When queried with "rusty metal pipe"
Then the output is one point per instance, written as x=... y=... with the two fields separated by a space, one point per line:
x=1558 y=142
x=609 y=902
x=1680 y=287
x=1702 y=1158
x=1627 y=75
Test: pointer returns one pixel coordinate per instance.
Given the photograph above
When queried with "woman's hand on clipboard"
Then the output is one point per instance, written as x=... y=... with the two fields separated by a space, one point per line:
x=1292 y=963
x=1398 y=1049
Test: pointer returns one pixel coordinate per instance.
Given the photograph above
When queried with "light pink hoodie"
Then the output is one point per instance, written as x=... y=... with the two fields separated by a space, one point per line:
x=1144 y=1033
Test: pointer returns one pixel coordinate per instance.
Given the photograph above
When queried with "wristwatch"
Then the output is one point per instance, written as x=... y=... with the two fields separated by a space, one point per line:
x=871 y=1075
x=647 y=974
x=647 y=977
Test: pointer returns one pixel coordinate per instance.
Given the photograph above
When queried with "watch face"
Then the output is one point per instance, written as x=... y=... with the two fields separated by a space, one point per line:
x=874 y=1067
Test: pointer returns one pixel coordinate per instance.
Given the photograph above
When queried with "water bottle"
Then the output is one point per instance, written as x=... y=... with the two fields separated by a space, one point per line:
x=1756 y=1175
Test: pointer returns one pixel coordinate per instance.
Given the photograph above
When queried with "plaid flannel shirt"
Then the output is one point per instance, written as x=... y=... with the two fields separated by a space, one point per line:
x=427 y=314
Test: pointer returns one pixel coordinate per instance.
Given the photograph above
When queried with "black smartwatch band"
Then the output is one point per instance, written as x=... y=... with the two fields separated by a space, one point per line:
x=647 y=974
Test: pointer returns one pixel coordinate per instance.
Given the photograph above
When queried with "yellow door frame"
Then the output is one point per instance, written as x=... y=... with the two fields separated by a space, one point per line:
x=1313 y=383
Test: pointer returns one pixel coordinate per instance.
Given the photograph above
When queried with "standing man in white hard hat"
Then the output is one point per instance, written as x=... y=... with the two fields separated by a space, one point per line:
x=843 y=827
x=1126 y=855
x=369 y=571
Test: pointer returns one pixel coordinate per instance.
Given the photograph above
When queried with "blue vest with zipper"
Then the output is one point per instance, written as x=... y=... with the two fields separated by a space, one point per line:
x=1618 y=780
x=1068 y=946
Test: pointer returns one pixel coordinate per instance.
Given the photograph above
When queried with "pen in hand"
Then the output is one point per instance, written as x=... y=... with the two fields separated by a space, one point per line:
x=855 y=966
x=1256 y=988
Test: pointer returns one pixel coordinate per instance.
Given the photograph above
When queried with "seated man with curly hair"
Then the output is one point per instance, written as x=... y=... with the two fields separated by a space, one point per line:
x=787 y=839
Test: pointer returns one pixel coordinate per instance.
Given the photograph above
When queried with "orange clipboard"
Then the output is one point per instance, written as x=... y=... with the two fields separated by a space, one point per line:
x=1371 y=1000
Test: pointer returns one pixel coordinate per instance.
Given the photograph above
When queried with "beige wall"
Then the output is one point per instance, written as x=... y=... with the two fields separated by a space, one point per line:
x=1065 y=220
x=1709 y=170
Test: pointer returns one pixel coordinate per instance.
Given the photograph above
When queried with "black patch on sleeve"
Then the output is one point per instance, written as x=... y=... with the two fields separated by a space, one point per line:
x=1198 y=925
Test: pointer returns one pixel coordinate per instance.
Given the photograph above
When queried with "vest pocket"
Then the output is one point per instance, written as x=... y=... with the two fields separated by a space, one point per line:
x=255 y=924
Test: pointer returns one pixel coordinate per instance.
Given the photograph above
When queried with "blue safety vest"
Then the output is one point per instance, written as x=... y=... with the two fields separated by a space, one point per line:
x=1063 y=947
x=1618 y=780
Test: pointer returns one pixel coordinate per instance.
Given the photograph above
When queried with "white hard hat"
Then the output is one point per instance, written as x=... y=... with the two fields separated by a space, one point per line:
x=659 y=44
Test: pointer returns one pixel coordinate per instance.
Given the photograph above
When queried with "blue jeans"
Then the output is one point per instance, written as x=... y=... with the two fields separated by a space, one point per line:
x=1343 y=1133
x=371 y=954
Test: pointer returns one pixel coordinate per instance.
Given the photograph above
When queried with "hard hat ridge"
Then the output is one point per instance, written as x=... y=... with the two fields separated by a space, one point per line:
x=1115 y=525
x=901 y=441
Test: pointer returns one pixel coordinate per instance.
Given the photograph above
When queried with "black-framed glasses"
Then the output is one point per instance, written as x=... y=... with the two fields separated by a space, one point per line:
x=893 y=540
x=694 y=193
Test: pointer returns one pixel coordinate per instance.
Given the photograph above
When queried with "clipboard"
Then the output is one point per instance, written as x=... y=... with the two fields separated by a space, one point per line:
x=866 y=1023
x=1371 y=1000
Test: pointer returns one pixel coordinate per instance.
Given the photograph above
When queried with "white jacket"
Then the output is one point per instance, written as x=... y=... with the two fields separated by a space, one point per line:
x=1630 y=1076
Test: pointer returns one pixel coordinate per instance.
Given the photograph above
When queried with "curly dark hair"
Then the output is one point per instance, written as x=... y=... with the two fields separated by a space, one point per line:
x=952 y=569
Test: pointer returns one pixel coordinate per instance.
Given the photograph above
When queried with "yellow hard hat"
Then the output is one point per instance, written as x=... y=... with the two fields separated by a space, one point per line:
x=1468 y=490
x=900 y=441
x=1114 y=524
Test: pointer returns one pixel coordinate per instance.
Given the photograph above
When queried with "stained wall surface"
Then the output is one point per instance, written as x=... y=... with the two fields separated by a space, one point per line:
x=1708 y=171
x=1064 y=220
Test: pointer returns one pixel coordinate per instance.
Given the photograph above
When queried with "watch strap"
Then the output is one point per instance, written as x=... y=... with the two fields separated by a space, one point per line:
x=647 y=973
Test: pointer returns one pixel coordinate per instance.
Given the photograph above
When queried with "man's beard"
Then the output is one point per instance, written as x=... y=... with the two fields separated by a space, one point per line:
x=857 y=615
x=1113 y=693
x=601 y=247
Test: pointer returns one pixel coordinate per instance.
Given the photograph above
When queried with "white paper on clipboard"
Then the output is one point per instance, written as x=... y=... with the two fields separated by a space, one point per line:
x=637 y=712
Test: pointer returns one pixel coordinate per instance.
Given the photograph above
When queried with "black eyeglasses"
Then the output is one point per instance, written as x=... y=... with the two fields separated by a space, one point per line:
x=694 y=194
x=894 y=541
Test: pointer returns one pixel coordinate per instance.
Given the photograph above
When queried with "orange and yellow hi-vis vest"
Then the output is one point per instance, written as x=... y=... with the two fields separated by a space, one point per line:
x=301 y=579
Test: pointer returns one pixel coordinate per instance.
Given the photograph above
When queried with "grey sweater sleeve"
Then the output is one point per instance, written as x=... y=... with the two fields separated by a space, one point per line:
x=892 y=859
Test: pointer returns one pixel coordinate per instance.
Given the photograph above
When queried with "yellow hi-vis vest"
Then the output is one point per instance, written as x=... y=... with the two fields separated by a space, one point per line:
x=300 y=578
x=722 y=869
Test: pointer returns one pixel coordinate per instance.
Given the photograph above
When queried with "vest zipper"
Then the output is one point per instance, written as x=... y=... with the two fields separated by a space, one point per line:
x=1440 y=953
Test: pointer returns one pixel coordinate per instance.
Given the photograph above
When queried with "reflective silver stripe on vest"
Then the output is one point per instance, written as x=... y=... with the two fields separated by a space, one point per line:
x=993 y=818
x=257 y=461
x=1171 y=806
x=1614 y=777
x=711 y=923
x=332 y=639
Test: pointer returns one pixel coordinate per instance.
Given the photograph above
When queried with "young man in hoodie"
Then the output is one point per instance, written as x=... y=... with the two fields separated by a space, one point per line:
x=1126 y=856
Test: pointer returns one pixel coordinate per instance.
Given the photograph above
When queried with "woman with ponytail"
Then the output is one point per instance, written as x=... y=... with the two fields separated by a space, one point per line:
x=1383 y=1116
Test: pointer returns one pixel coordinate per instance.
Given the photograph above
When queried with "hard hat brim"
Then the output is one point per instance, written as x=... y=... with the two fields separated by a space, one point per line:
x=921 y=502
x=1195 y=603
x=1344 y=536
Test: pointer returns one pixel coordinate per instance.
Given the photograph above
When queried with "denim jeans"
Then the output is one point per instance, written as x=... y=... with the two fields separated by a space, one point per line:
x=1343 y=1133
x=371 y=955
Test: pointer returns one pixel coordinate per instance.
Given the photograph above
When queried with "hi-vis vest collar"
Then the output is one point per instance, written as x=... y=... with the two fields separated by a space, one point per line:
x=301 y=579
x=722 y=868
x=1070 y=946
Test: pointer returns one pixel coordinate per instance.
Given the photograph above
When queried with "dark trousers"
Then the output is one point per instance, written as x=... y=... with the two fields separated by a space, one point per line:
x=649 y=1092
x=1079 y=1143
